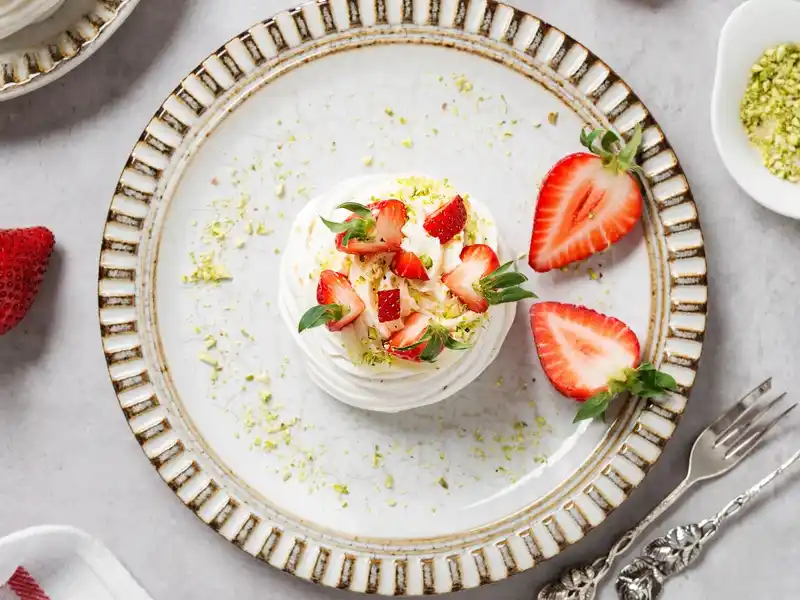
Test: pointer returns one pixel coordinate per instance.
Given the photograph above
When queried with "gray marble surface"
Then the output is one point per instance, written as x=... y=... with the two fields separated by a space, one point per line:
x=67 y=456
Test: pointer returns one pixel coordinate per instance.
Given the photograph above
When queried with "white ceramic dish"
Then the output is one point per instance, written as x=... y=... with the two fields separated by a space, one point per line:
x=751 y=29
x=44 y=51
x=68 y=564
x=495 y=479
x=17 y=14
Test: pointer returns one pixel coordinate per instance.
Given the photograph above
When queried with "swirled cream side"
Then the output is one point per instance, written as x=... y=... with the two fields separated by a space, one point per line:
x=352 y=365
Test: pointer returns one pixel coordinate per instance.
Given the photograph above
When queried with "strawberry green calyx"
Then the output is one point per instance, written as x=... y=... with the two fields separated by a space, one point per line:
x=436 y=338
x=644 y=382
x=321 y=314
x=605 y=144
x=358 y=227
x=503 y=285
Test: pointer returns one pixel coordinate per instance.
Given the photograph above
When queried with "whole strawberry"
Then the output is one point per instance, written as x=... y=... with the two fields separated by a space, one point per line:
x=24 y=255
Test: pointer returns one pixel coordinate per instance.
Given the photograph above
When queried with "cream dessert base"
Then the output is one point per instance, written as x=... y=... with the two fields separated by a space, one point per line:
x=332 y=359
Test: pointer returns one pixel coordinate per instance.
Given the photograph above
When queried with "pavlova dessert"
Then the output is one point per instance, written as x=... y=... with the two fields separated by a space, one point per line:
x=397 y=290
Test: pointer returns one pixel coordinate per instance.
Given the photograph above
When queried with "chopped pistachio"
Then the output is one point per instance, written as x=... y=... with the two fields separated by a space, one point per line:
x=280 y=189
x=770 y=110
x=403 y=121
x=367 y=160
x=208 y=359
x=341 y=489
x=552 y=118
x=407 y=143
x=443 y=482
x=389 y=111
x=389 y=483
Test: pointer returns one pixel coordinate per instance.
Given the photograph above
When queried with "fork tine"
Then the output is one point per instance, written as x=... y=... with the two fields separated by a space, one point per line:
x=744 y=447
x=740 y=427
x=732 y=415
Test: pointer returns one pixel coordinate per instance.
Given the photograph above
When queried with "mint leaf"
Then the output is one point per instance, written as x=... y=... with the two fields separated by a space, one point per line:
x=594 y=407
x=359 y=209
x=320 y=315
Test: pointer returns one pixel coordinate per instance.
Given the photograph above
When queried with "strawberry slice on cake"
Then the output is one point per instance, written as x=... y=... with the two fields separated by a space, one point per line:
x=592 y=358
x=338 y=304
x=370 y=229
x=587 y=202
x=480 y=280
x=422 y=340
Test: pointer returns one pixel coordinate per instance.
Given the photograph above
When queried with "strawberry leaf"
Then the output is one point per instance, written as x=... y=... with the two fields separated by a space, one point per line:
x=359 y=209
x=606 y=144
x=502 y=285
x=320 y=315
x=594 y=407
x=436 y=338
x=358 y=228
x=432 y=349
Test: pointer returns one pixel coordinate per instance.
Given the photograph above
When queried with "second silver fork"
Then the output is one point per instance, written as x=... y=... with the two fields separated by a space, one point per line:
x=719 y=448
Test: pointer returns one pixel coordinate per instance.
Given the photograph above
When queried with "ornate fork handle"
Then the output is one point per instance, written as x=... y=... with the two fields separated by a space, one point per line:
x=667 y=556
x=580 y=583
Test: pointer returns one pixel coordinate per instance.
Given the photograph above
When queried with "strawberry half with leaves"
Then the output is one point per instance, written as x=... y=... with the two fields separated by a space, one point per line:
x=370 y=229
x=24 y=256
x=592 y=357
x=480 y=280
x=409 y=265
x=422 y=340
x=587 y=202
x=447 y=221
x=338 y=304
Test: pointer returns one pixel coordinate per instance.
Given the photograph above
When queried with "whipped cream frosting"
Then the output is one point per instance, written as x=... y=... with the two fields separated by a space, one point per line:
x=16 y=14
x=351 y=365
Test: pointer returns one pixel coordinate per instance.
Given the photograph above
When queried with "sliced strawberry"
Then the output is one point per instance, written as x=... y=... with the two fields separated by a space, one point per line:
x=580 y=349
x=448 y=221
x=592 y=357
x=408 y=265
x=390 y=216
x=480 y=280
x=370 y=229
x=586 y=203
x=416 y=325
x=338 y=304
x=477 y=261
x=24 y=257
x=388 y=305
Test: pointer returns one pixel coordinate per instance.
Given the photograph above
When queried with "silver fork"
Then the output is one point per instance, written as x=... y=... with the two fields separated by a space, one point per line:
x=719 y=448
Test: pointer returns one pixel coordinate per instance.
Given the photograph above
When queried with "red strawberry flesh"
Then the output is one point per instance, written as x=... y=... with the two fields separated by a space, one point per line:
x=415 y=327
x=24 y=256
x=580 y=349
x=389 y=216
x=408 y=265
x=335 y=288
x=447 y=221
x=388 y=305
x=477 y=261
x=583 y=208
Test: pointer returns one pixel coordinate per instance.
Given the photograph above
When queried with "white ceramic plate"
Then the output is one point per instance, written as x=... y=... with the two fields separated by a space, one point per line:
x=44 y=51
x=469 y=491
x=751 y=29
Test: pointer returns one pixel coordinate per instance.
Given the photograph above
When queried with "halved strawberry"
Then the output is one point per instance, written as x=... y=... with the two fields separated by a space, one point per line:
x=422 y=340
x=24 y=256
x=448 y=221
x=388 y=305
x=338 y=304
x=415 y=327
x=587 y=202
x=592 y=357
x=370 y=229
x=408 y=265
x=480 y=280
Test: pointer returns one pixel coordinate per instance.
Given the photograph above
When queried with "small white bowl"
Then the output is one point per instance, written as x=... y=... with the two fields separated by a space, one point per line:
x=751 y=29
